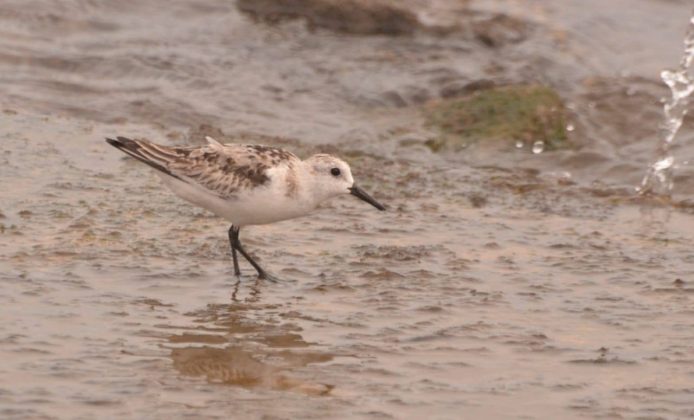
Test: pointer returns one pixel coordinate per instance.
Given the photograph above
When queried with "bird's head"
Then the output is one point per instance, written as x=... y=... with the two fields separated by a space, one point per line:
x=332 y=176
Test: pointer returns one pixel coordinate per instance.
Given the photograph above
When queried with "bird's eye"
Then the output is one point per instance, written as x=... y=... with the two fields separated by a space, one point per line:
x=335 y=171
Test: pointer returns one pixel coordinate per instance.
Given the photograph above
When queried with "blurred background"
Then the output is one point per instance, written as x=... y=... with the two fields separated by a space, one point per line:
x=517 y=273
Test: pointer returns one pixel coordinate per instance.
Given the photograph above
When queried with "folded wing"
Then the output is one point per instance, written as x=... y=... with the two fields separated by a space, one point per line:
x=223 y=170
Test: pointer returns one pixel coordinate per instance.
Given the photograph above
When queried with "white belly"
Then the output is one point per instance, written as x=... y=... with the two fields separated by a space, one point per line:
x=262 y=205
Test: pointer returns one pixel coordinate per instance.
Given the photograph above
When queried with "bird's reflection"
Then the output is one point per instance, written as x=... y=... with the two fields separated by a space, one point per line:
x=254 y=290
x=246 y=343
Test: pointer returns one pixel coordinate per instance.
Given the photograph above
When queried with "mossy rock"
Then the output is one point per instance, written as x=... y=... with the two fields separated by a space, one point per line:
x=527 y=113
x=362 y=17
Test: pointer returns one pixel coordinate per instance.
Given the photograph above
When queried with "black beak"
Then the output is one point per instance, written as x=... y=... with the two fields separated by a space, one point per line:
x=362 y=195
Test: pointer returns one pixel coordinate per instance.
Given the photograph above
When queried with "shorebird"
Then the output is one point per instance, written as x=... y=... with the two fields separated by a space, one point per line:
x=246 y=184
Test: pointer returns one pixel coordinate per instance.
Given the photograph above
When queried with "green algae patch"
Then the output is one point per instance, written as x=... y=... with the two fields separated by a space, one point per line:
x=526 y=113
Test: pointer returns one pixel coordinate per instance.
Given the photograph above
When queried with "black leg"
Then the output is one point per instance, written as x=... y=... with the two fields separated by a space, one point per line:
x=233 y=237
x=236 y=244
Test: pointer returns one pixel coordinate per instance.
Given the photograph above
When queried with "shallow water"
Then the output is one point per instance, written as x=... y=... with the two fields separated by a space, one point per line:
x=502 y=288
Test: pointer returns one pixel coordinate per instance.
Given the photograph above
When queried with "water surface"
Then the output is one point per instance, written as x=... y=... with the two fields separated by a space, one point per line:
x=500 y=284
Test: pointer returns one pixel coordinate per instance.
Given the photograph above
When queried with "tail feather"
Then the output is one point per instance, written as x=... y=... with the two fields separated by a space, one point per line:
x=139 y=152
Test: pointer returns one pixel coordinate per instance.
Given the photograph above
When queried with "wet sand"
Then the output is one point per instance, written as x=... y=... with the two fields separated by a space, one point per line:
x=496 y=286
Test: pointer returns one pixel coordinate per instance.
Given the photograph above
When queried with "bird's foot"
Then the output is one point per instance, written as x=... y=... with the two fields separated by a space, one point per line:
x=263 y=275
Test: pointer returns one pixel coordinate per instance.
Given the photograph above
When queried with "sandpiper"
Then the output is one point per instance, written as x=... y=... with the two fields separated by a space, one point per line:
x=246 y=184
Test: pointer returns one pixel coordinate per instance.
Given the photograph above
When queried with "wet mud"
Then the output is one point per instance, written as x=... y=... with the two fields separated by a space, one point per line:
x=500 y=283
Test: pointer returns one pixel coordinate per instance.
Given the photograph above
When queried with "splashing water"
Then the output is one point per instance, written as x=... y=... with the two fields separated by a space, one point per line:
x=659 y=177
x=538 y=147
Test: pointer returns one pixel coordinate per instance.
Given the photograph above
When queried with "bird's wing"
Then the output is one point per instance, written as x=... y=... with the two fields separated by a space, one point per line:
x=221 y=169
